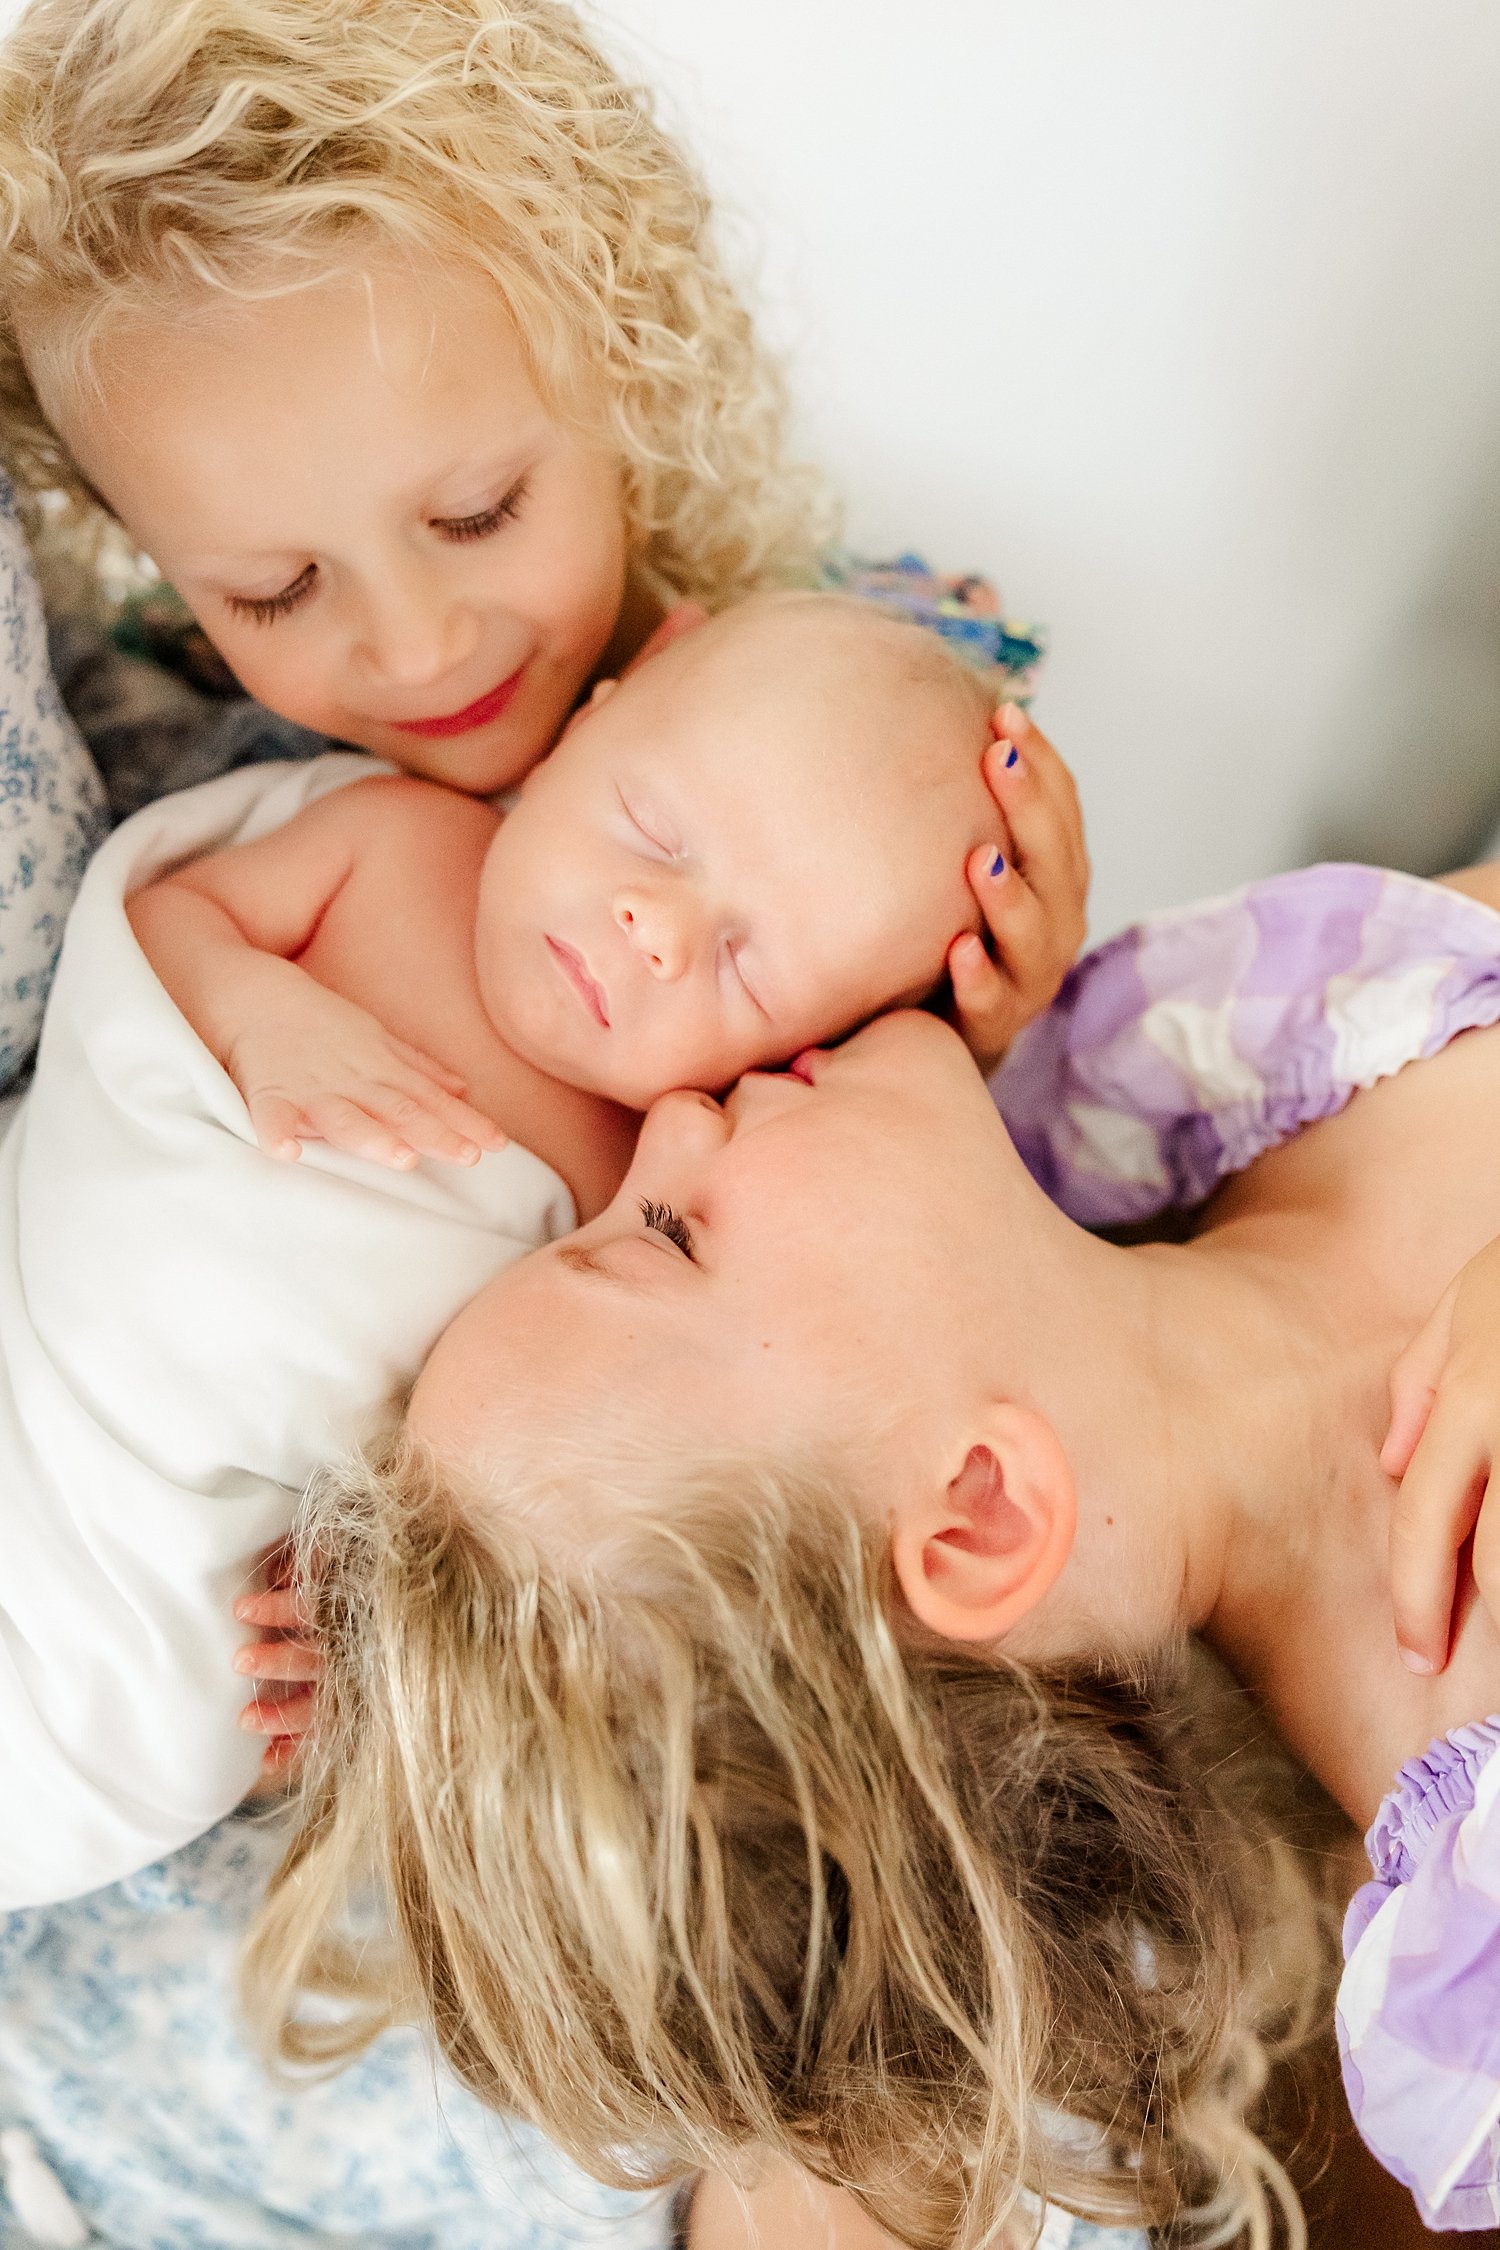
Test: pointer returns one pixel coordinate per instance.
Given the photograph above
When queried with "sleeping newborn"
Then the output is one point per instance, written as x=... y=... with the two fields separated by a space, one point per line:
x=757 y=838
x=776 y=828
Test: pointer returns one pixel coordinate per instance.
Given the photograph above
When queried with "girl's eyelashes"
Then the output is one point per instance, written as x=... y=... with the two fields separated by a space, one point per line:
x=264 y=609
x=487 y=520
x=661 y=1219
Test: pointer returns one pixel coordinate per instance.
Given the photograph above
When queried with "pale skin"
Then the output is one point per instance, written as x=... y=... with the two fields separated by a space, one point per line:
x=759 y=838
x=1080 y=1445
x=382 y=526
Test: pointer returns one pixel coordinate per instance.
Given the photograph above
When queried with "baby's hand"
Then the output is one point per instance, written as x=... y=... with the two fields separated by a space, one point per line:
x=289 y=1655
x=1444 y=1445
x=318 y=1068
x=1032 y=903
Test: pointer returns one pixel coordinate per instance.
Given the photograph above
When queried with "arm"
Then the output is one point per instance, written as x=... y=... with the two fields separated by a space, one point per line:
x=222 y=935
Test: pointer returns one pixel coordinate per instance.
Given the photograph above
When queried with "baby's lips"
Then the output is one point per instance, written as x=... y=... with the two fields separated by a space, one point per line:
x=805 y=1066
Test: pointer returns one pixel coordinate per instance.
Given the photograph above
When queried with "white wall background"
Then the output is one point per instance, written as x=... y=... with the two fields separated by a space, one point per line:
x=1183 y=318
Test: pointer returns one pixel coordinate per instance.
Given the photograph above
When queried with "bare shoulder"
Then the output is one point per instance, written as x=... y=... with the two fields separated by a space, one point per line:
x=1481 y=882
x=400 y=803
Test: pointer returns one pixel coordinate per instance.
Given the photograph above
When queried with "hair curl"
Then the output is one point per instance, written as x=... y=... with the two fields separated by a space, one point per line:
x=688 y=1850
x=148 y=147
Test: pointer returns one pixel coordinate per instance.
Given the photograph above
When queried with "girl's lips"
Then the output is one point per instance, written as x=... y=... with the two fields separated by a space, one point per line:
x=805 y=1065
x=576 y=970
x=472 y=715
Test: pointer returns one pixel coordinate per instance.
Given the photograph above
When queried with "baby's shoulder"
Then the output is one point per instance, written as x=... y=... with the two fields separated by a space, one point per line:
x=397 y=814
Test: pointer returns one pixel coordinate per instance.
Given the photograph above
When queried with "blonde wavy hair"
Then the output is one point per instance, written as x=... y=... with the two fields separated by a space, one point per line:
x=688 y=1847
x=153 y=147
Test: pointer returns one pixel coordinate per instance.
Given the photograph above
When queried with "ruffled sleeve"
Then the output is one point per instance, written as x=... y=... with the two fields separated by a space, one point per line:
x=1419 y=2004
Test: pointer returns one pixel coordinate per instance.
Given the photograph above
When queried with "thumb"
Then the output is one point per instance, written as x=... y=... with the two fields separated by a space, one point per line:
x=1414 y=1383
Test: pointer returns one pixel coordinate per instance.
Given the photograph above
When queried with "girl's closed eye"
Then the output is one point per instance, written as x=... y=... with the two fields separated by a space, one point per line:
x=264 y=609
x=483 y=521
x=661 y=1219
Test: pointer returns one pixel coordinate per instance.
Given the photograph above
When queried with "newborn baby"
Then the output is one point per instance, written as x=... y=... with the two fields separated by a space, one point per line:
x=772 y=830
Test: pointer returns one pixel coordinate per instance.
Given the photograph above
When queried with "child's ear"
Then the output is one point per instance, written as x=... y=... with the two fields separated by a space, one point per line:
x=977 y=1555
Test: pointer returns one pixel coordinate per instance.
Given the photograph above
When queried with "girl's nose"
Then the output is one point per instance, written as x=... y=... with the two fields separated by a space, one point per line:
x=656 y=928
x=413 y=636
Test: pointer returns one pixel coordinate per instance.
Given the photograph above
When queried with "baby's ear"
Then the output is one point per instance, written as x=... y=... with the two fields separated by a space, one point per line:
x=977 y=1555
x=682 y=617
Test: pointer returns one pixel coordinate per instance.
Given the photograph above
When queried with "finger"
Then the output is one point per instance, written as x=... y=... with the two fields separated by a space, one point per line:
x=1414 y=1385
x=279 y=1753
x=989 y=1009
x=1486 y=1551
x=277 y=1608
x=344 y=1124
x=293 y=1716
x=1034 y=953
x=429 y=1066
x=1039 y=799
x=1431 y=1517
x=279 y=1660
x=438 y=1123
x=279 y=1126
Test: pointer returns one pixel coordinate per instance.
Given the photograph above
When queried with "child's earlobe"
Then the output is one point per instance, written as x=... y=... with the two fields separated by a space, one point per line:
x=979 y=1554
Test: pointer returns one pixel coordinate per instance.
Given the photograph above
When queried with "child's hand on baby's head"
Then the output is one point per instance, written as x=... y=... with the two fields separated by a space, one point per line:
x=322 y=1069
x=1032 y=897
x=288 y=1657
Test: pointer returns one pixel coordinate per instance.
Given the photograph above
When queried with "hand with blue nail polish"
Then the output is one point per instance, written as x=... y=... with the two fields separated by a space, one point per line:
x=1032 y=895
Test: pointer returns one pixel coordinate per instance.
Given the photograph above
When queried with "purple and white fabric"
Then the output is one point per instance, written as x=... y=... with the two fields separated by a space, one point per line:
x=1419 y=2005
x=1186 y=1047
x=1174 y=1056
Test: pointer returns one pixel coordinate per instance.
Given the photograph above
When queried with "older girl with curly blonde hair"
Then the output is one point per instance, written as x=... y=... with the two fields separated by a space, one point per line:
x=394 y=333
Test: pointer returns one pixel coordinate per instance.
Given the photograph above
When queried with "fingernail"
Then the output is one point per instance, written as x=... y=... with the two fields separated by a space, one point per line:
x=1413 y=1659
x=996 y=867
x=1014 y=759
x=245 y=1661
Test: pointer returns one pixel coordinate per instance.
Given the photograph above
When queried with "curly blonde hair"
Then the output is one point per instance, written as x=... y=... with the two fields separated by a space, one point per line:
x=149 y=147
x=690 y=1848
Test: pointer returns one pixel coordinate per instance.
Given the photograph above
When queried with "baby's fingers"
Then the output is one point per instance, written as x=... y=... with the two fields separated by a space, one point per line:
x=280 y=1126
x=1431 y=1517
x=435 y=1123
x=430 y=1067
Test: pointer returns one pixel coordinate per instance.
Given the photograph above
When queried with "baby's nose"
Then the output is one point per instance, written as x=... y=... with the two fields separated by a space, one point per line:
x=655 y=931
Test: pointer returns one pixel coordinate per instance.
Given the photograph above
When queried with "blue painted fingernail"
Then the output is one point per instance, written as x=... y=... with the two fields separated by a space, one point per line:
x=996 y=867
x=1014 y=759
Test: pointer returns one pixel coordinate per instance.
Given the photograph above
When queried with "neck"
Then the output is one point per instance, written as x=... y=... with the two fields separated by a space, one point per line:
x=1190 y=1390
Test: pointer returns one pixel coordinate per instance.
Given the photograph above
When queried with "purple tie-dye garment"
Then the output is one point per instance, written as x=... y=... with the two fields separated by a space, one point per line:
x=1190 y=1044
x=1173 y=1056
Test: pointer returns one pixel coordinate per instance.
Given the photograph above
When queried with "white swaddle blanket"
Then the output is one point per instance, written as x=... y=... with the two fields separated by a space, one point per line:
x=187 y=1329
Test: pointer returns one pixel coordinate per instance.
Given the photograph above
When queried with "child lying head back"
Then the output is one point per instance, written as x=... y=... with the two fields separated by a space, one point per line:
x=694 y=1850
x=760 y=838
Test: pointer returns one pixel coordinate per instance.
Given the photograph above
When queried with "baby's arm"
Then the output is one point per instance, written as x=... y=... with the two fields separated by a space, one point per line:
x=1444 y=1446
x=1032 y=898
x=222 y=934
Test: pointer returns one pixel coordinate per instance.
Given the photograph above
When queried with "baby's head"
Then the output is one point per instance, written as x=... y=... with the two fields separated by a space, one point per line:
x=745 y=848
x=394 y=334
